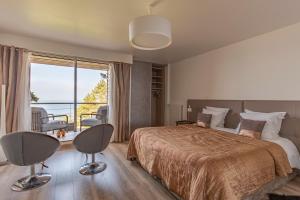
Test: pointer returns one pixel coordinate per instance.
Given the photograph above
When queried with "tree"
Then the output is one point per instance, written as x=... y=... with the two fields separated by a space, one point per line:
x=98 y=94
x=34 y=98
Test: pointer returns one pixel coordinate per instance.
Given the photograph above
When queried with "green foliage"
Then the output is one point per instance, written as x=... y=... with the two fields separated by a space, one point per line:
x=98 y=94
x=34 y=98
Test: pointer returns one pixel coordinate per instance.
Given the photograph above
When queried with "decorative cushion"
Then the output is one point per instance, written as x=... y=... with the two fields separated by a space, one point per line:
x=251 y=128
x=203 y=120
x=218 y=117
x=273 y=122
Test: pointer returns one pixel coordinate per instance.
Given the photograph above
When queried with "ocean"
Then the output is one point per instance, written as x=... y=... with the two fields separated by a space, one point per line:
x=58 y=109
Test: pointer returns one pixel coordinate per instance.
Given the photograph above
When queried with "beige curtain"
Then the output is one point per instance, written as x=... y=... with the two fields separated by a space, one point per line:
x=119 y=100
x=15 y=74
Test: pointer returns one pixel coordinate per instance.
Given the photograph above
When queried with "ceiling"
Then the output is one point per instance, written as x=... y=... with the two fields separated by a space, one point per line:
x=198 y=25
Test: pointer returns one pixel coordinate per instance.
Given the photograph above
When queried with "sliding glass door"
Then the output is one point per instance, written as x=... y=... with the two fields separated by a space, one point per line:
x=68 y=87
x=91 y=89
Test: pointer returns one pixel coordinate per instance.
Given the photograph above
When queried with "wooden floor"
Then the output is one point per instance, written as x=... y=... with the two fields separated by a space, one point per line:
x=122 y=180
x=292 y=188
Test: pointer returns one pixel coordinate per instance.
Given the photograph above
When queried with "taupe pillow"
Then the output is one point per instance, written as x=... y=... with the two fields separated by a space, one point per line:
x=203 y=120
x=251 y=128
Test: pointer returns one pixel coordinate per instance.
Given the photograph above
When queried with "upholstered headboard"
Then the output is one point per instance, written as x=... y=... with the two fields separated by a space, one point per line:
x=290 y=126
x=233 y=118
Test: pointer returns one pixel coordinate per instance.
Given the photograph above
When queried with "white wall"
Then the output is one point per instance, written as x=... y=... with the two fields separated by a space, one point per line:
x=264 y=67
x=47 y=46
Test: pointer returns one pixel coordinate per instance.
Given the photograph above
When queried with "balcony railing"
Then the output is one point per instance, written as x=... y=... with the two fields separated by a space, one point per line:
x=67 y=108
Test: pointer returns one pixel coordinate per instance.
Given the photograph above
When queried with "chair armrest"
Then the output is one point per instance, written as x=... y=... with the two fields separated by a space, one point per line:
x=85 y=114
x=90 y=114
x=96 y=114
x=104 y=117
x=51 y=115
x=66 y=116
x=99 y=115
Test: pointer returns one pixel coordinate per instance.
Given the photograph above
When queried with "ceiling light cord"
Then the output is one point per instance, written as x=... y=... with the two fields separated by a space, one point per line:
x=151 y=5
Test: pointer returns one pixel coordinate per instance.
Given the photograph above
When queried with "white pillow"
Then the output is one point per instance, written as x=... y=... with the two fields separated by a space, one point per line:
x=272 y=126
x=218 y=109
x=278 y=114
x=224 y=113
x=217 y=119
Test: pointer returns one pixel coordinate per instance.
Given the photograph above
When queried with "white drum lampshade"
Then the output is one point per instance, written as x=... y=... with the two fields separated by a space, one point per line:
x=150 y=32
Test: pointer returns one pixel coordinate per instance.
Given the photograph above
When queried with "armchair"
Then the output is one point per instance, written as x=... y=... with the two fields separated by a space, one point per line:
x=24 y=149
x=41 y=120
x=96 y=118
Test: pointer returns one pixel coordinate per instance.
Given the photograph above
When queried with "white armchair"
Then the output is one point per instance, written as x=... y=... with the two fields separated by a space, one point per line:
x=44 y=122
x=100 y=117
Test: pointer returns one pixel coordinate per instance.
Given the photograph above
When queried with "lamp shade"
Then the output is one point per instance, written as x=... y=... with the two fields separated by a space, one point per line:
x=150 y=32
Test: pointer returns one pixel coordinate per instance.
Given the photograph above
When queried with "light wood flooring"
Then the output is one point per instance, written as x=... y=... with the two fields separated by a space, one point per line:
x=122 y=180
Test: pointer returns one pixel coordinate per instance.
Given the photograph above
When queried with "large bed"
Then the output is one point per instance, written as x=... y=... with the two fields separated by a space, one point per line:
x=199 y=163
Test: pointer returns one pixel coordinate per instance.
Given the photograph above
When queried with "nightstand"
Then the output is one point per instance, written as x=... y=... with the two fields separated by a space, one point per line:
x=181 y=122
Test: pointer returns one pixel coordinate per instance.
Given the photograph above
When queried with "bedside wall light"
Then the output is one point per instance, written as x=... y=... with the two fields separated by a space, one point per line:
x=189 y=110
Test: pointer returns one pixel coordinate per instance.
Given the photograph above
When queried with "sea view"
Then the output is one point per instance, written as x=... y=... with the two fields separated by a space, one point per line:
x=57 y=97
x=57 y=109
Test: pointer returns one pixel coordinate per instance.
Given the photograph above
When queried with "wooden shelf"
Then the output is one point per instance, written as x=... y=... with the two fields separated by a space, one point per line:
x=158 y=95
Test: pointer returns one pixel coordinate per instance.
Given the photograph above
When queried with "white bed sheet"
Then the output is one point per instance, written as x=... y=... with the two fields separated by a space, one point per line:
x=288 y=146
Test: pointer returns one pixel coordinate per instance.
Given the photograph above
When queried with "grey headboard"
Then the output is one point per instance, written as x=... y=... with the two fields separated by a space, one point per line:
x=233 y=118
x=290 y=126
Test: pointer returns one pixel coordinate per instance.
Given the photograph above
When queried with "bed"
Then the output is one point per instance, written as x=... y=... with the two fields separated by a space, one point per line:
x=197 y=163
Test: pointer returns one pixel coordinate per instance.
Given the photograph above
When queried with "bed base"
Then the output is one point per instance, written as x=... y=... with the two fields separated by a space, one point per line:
x=260 y=194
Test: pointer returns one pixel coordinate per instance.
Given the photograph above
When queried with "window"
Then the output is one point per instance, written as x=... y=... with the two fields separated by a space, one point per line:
x=68 y=87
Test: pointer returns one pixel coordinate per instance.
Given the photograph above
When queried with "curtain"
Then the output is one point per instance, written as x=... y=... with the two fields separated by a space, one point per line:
x=15 y=74
x=119 y=85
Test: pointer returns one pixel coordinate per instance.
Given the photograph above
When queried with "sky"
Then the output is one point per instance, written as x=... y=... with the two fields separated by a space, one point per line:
x=53 y=83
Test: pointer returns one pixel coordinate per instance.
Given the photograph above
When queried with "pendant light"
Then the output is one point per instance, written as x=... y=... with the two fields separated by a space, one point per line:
x=150 y=32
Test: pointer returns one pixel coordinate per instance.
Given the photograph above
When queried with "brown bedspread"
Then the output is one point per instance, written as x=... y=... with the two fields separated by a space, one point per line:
x=204 y=164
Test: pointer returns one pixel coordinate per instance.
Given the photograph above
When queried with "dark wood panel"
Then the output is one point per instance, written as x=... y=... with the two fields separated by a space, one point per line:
x=290 y=125
x=233 y=117
x=140 y=104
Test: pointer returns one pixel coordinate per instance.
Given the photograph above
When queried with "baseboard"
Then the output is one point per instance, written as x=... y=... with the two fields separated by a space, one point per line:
x=3 y=163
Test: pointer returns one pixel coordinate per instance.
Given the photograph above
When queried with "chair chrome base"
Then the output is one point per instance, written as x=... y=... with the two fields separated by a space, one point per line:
x=92 y=168
x=31 y=182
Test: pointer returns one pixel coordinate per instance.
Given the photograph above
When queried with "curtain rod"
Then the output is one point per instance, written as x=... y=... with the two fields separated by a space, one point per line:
x=51 y=55
x=67 y=57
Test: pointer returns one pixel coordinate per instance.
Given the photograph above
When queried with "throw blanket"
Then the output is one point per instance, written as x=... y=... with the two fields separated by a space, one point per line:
x=203 y=164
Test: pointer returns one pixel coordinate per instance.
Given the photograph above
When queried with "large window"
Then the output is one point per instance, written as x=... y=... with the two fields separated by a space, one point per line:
x=68 y=87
